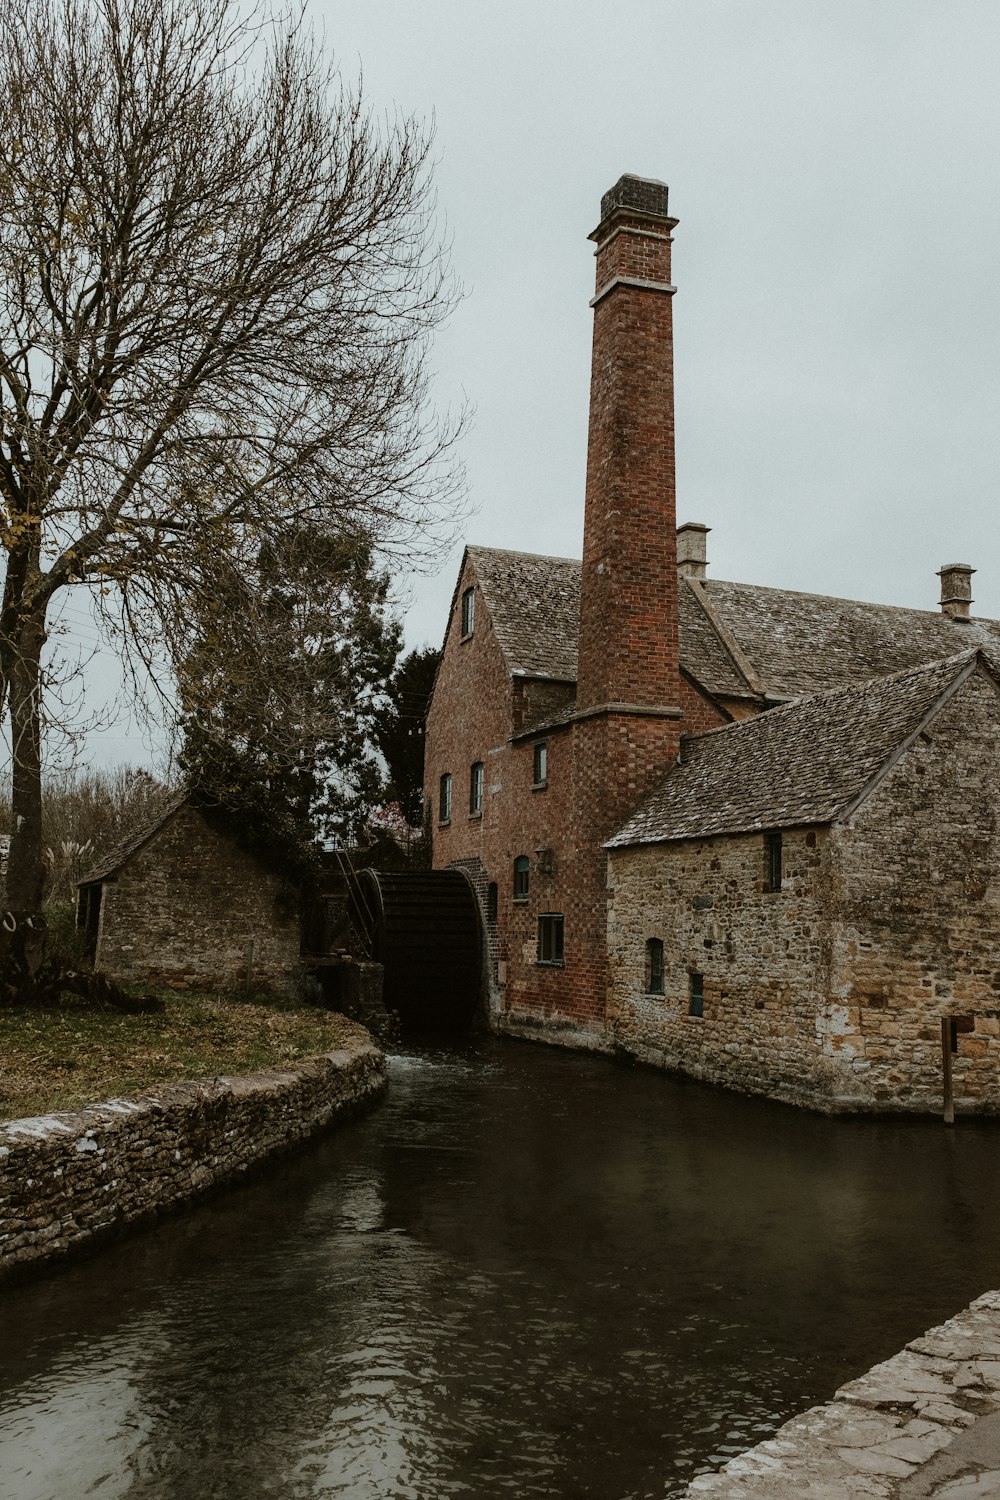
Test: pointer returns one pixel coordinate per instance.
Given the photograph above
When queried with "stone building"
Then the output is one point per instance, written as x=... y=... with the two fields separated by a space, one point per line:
x=571 y=692
x=180 y=904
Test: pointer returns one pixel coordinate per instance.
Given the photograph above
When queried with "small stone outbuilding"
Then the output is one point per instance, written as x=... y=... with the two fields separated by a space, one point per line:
x=811 y=893
x=180 y=904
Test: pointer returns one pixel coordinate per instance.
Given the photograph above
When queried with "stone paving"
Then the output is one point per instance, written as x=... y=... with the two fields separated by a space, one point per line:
x=924 y=1425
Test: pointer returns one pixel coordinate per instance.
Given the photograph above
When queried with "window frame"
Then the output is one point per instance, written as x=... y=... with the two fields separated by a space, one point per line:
x=655 y=967
x=540 y=763
x=444 y=797
x=551 y=937
x=522 y=868
x=477 y=788
x=468 y=620
x=696 y=994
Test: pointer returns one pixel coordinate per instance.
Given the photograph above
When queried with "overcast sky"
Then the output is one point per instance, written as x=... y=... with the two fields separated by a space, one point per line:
x=836 y=174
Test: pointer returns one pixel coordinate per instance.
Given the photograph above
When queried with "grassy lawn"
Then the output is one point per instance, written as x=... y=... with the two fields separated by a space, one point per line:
x=67 y=1057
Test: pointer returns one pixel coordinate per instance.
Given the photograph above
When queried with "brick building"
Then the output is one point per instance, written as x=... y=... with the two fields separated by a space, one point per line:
x=569 y=723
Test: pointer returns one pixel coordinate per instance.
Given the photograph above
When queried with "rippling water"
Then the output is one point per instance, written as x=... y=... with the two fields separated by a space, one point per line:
x=526 y=1273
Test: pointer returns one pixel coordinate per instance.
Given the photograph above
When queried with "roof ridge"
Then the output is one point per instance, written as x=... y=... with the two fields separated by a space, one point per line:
x=958 y=659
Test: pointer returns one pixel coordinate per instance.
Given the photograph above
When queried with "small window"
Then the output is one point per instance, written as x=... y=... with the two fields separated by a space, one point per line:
x=491 y=901
x=476 y=788
x=521 y=878
x=468 y=611
x=541 y=764
x=696 y=1001
x=772 y=851
x=654 y=966
x=444 y=799
x=550 y=938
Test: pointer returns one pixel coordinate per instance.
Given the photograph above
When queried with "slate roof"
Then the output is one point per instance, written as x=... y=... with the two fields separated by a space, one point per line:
x=793 y=643
x=133 y=842
x=803 y=762
x=534 y=603
x=807 y=643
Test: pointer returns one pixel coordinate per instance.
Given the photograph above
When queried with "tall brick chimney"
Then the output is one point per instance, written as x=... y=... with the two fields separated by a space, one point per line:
x=628 y=604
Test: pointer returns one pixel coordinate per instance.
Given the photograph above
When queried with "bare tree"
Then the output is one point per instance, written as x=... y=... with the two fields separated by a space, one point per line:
x=218 y=277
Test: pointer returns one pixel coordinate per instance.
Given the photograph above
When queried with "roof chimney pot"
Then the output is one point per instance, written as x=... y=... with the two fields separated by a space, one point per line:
x=691 y=555
x=956 y=589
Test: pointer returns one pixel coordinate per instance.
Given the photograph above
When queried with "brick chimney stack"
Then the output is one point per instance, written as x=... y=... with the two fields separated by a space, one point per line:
x=628 y=605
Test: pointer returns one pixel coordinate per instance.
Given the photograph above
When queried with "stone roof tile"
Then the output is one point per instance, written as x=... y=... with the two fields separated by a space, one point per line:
x=804 y=762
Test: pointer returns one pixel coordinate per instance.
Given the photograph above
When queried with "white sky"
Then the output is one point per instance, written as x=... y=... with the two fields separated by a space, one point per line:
x=834 y=168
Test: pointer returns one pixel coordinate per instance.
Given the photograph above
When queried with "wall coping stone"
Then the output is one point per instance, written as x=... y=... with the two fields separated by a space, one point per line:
x=71 y=1180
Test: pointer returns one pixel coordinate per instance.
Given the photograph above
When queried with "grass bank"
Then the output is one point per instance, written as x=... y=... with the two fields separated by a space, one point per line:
x=67 y=1057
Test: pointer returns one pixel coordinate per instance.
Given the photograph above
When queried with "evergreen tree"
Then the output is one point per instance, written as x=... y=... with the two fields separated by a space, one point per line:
x=400 y=728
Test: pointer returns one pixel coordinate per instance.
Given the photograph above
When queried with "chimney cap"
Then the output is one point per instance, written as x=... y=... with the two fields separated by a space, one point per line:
x=645 y=195
x=956 y=589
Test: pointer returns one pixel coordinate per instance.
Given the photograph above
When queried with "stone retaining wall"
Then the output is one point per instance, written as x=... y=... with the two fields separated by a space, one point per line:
x=924 y=1423
x=70 y=1180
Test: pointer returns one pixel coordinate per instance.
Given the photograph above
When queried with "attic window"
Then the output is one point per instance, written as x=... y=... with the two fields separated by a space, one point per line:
x=772 y=854
x=468 y=612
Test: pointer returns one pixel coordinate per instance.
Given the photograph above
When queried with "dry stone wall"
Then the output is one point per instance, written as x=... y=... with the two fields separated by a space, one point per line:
x=69 y=1181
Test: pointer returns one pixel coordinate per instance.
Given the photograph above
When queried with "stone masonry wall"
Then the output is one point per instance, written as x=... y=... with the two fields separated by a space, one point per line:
x=192 y=908
x=764 y=957
x=831 y=992
x=918 y=903
x=69 y=1181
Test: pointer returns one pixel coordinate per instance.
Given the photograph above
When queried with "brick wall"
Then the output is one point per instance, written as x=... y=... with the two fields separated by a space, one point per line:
x=191 y=908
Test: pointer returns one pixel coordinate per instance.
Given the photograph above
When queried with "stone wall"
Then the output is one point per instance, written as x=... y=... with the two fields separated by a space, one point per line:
x=925 y=1422
x=917 y=902
x=764 y=957
x=832 y=991
x=70 y=1181
x=192 y=908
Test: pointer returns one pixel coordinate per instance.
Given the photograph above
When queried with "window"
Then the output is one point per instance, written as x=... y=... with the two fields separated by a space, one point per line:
x=491 y=901
x=521 y=878
x=550 y=938
x=444 y=799
x=468 y=612
x=476 y=788
x=772 y=852
x=654 y=966
x=696 y=1001
x=541 y=765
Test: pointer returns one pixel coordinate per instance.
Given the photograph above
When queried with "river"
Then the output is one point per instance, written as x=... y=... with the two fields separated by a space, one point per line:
x=525 y=1273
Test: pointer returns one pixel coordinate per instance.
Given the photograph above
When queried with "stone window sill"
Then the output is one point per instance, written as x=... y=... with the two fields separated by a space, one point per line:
x=550 y=963
x=444 y=822
x=654 y=994
x=520 y=900
x=539 y=786
x=463 y=638
x=475 y=817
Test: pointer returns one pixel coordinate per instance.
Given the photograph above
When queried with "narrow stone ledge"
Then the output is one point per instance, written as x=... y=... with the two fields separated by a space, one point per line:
x=70 y=1181
x=904 y=1430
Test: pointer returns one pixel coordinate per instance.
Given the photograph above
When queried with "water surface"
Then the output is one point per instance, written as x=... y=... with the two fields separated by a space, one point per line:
x=526 y=1273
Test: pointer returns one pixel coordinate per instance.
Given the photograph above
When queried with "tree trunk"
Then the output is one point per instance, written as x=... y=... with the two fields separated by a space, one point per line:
x=25 y=865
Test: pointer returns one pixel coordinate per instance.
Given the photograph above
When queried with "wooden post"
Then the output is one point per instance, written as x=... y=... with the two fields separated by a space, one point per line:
x=949 y=1093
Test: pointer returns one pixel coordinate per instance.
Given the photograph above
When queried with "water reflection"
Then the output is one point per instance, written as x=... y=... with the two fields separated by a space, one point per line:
x=526 y=1273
